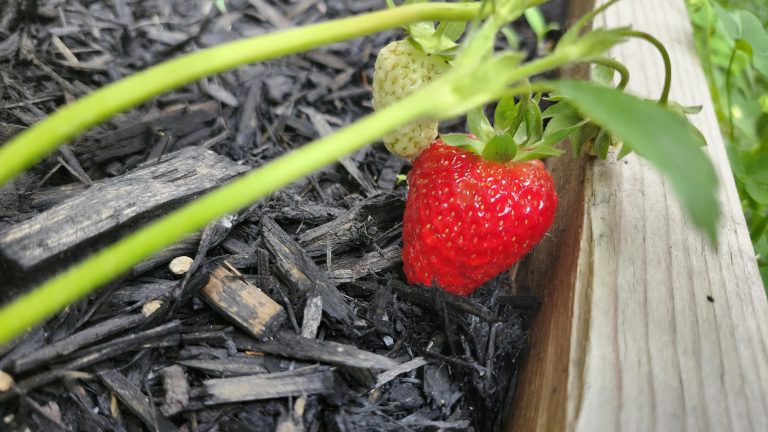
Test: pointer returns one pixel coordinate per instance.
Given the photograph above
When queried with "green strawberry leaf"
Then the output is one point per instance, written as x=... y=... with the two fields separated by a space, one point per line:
x=463 y=141
x=602 y=144
x=625 y=149
x=581 y=136
x=533 y=122
x=513 y=40
x=500 y=148
x=540 y=152
x=754 y=34
x=562 y=115
x=560 y=132
x=538 y=23
x=660 y=136
x=505 y=114
x=451 y=30
x=562 y=107
x=757 y=191
x=478 y=124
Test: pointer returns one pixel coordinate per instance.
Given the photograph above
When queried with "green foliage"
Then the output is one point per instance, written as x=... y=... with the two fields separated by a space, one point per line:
x=733 y=46
x=669 y=145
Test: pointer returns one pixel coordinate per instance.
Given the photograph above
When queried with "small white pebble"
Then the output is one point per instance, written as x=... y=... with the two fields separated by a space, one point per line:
x=180 y=265
x=6 y=381
x=151 y=307
x=7 y=419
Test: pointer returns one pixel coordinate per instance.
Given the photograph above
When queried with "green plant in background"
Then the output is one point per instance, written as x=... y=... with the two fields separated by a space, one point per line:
x=732 y=41
x=479 y=74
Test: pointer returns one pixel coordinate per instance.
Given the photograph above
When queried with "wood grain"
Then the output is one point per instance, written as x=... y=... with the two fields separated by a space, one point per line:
x=657 y=330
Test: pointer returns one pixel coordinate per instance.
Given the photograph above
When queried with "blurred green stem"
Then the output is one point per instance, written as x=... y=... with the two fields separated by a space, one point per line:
x=110 y=262
x=33 y=144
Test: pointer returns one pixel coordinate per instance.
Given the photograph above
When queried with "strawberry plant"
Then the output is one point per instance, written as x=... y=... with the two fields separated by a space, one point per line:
x=733 y=45
x=446 y=75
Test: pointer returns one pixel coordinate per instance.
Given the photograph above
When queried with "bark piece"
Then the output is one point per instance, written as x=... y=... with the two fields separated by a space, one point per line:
x=357 y=226
x=348 y=269
x=233 y=366
x=78 y=340
x=304 y=381
x=402 y=368
x=136 y=401
x=111 y=204
x=242 y=303
x=176 y=390
x=301 y=273
x=159 y=336
x=177 y=121
x=313 y=313
x=291 y=345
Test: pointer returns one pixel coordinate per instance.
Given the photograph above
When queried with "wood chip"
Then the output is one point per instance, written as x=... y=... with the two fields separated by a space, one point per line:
x=402 y=368
x=242 y=303
x=301 y=273
x=305 y=381
x=313 y=313
x=78 y=340
x=291 y=345
x=176 y=390
x=233 y=366
x=114 y=203
x=136 y=401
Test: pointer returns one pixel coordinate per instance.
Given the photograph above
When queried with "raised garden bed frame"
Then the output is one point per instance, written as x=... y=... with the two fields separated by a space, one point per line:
x=644 y=326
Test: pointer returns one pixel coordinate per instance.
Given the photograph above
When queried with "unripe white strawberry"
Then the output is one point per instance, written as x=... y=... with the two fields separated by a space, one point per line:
x=401 y=68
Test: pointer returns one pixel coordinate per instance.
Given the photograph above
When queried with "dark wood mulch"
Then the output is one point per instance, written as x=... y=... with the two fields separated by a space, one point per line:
x=295 y=314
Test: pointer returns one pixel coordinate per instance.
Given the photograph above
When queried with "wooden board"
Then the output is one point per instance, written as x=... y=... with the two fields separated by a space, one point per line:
x=644 y=326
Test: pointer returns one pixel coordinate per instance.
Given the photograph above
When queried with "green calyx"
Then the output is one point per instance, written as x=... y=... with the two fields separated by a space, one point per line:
x=517 y=134
x=438 y=40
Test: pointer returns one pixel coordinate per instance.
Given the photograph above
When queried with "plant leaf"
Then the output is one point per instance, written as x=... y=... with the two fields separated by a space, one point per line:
x=505 y=114
x=581 y=136
x=562 y=114
x=452 y=29
x=660 y=136
x=753 y=32
x=602 y=144
x=463 y=141
x=533 y=123
x=478 y=124
x=540 y=152
x=538 y=23
x=500 y=148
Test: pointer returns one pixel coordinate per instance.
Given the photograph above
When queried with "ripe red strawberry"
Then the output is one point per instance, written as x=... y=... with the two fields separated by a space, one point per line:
x=468 y=219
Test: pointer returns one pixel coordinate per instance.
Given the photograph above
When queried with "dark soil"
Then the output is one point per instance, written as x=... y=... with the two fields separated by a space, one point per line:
x=120 y=369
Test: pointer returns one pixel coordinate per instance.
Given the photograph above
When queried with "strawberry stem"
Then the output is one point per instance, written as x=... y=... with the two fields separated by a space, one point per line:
x=618 y=67
x=664 y=56
x=33 y=144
